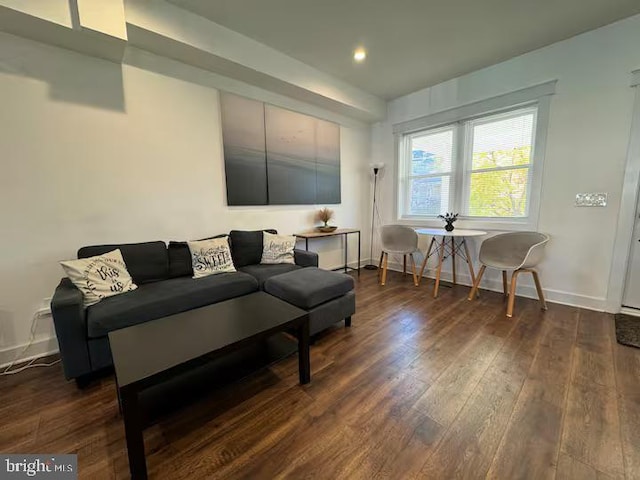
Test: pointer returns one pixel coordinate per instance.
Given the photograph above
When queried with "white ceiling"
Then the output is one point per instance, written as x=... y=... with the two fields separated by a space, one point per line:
x=411 y=44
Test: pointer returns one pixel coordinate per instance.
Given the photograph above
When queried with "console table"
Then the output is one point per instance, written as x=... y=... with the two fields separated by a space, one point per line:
x=339 y=232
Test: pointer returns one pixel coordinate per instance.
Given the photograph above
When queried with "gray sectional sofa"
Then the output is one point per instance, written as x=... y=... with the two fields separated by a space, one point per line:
x=165 y=287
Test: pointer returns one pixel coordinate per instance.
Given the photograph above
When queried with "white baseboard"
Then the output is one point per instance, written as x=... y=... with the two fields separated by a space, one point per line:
x=350 y=264
x=634 y=312
x=42 y=347
x=527 y=291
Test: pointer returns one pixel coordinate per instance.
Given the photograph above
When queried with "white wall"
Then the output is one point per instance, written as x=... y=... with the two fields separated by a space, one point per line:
x=56 y=11
x=104 y=17
x=586 y=148
x=98 y=152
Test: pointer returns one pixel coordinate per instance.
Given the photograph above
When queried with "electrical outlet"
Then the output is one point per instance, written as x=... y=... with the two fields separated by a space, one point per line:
x=591 y=200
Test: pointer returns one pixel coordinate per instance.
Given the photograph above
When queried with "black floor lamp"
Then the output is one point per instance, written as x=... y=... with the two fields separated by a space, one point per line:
x=376 y=168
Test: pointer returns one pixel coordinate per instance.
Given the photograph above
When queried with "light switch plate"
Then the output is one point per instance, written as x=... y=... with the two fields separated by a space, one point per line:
x=591 y=200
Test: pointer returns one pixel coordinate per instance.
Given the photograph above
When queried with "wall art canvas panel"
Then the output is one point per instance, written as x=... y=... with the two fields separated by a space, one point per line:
x=275 y=156
x=291 y=157
x=243 y=137
x=327 y=162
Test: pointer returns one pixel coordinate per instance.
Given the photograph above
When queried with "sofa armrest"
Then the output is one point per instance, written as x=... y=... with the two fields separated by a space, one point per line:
x=69 y=319
x=305 y=258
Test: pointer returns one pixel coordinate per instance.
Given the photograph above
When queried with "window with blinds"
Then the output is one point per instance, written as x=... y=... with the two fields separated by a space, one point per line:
x=430 y=171
x=481 y=168
x=498 y=166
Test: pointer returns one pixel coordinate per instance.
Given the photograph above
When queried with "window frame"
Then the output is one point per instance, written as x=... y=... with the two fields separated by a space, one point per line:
x=537 y=97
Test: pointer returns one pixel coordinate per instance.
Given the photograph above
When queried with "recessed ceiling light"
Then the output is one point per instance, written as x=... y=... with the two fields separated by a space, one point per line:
x=360 y=54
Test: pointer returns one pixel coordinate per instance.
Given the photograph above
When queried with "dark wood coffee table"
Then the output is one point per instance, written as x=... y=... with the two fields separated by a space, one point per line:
x=150 y=353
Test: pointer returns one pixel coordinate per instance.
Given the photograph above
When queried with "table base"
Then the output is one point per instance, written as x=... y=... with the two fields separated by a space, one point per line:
x=445 y=249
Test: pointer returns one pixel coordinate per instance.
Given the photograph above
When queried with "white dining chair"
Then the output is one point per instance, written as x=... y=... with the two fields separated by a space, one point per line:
x=398 y=240
x=517 y=251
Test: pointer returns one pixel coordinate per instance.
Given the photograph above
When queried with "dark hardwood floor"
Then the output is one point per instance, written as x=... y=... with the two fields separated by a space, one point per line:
x=417 y=388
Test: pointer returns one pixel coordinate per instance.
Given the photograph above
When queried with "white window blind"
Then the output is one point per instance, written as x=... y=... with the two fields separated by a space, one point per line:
x=430 y=170
x=498 y=167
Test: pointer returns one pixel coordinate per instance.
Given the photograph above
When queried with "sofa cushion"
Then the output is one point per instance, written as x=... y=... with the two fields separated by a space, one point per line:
x=246 y=246
x=309 y=287
x=277 y=249
x=211 y=257
x=180 y=258
x=263 y=272
x=156 y=300
x=99 y=277
x=146 y=262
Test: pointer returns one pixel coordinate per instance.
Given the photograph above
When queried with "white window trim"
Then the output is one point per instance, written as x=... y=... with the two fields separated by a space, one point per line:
x=538 y=95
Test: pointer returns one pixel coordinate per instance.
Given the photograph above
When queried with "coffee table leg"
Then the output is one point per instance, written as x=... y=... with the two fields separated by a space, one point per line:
x=304 y=363
x=133 y=433
x=119 y=395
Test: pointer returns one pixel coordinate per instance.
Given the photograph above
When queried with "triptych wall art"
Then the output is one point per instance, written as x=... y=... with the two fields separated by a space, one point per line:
x=274 y=156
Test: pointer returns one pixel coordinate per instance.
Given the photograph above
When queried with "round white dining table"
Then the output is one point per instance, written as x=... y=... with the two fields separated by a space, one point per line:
x=449 y=245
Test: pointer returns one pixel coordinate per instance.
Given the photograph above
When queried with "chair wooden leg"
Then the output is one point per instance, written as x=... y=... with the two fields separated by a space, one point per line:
x=476 y=284
x=384 y=269
x=504 y=283
x=413 y=270
x=426 y=258
x=512 y=294
x=404 y=265
x=536 y=279
x=380 y=265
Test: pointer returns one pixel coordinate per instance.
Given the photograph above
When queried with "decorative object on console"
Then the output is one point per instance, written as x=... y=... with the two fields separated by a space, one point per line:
x=449 y=219
x=210 y=257
x=277 y=249
x=324 y=215
x=376 y=168
x=99 y=277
